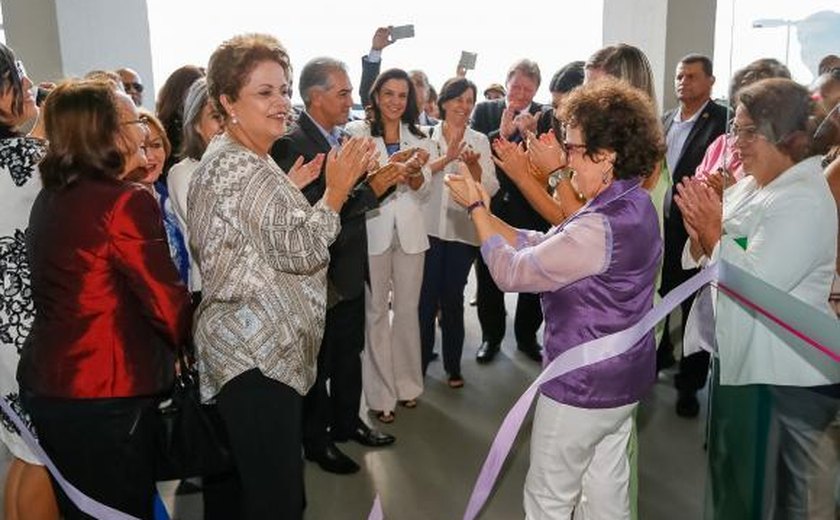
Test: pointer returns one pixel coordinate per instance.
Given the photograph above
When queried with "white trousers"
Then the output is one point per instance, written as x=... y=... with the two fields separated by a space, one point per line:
x=579 y=452
x=391 y=366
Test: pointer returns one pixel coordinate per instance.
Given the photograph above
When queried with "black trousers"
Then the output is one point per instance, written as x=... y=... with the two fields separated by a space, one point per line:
x=106 y=448
x=339 y=361
x=694 y=369
x=447 y=266
x=262 y=419
x=492 y=315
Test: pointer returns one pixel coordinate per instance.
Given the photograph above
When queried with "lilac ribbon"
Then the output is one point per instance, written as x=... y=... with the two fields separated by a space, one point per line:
x=376 y=511
x=582 y=355
x=82 y=501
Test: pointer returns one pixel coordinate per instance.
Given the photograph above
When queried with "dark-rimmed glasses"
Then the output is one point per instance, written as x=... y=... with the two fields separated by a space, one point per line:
x=569 y=148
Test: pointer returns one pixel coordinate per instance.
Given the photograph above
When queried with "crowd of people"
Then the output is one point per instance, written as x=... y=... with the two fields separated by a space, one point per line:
x=306 y=260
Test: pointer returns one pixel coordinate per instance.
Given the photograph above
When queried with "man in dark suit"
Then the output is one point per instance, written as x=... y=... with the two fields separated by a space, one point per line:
x=334 y=416
x=509 y=118
x=689 y=129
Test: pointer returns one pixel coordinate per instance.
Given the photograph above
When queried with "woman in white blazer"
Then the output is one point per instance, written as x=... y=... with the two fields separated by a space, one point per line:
x=396 y=234
x=453 y=243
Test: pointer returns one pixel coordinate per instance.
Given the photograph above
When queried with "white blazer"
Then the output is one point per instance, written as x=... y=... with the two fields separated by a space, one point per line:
x=786 y=234
x=402 y=210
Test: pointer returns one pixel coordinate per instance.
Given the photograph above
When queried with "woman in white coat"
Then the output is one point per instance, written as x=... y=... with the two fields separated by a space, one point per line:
x=397 y=242
x=778 y=224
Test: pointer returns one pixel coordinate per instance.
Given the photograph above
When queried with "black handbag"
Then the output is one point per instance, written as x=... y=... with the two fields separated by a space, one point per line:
x=192 y=440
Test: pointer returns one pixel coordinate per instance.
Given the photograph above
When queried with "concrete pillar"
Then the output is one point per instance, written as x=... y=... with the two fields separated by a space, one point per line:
x=67 y=38
x=666 y=30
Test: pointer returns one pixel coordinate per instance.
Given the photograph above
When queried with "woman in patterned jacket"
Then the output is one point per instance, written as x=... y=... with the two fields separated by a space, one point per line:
x=262 y=251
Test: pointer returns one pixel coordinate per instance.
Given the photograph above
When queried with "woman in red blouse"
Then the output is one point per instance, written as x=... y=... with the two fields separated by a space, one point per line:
x=109 y=306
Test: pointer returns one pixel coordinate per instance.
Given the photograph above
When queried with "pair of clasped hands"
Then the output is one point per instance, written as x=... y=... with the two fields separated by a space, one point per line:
x=356 y=158
x=702 y=212
x=543 y=155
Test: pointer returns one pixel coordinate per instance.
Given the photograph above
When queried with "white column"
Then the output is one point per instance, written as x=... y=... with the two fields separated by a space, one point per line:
x=666 y=30
x=67 y=38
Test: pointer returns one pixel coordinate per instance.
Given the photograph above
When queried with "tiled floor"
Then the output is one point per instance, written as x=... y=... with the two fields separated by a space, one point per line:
x=430 y=471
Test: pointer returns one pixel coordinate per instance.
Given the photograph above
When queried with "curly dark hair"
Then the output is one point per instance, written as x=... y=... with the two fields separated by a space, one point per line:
x=612 y=115
x=83 y=125
x=411 y=114
x=234 y=60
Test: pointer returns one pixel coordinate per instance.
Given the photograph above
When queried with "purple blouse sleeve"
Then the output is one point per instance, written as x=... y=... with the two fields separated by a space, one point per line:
x=528 y=238
x=547 y=262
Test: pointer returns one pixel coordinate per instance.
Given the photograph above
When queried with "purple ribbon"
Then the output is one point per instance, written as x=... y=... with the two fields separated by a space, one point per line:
x=582 y=355
x=82 y=501
x=376 y=511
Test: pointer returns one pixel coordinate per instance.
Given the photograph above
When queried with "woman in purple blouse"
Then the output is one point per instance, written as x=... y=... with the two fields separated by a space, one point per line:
x=595 y=273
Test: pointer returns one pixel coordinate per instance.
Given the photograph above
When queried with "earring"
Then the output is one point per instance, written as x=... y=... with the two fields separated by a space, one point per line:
x=605 y=177
x=233 y=119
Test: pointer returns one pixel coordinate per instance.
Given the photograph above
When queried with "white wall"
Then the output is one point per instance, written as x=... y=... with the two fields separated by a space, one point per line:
x=641 y=23
x=666 y=30
x=61 y=38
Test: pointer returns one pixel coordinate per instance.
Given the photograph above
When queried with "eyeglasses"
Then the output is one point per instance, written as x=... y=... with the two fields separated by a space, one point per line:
x=571 y=147
x=744 y=134
x=129 y=86
x=142 y=121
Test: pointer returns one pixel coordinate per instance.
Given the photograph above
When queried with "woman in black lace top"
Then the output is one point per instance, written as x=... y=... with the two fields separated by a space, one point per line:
x=28 y=492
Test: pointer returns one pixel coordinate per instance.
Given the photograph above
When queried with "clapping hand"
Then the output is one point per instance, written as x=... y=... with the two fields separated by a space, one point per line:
x=455 y=144
x=545 y=153
x=401 y=156
x=702 y=213
x=470 y=157
x=719 y=181
x=507 y=127
x=465 y=190
x=383 y=178
x=414 y=165
x=512 y=158
x=346 y=165
x=302 y=174
x=525 y=122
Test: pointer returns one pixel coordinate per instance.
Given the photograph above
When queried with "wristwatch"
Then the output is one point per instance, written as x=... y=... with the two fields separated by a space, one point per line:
x=560 y=174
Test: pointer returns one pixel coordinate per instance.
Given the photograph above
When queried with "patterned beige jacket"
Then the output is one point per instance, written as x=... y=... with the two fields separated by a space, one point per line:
x=263 y=253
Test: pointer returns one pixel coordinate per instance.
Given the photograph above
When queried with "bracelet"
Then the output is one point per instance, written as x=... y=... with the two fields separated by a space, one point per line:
x=564 y=173
x=474 y=205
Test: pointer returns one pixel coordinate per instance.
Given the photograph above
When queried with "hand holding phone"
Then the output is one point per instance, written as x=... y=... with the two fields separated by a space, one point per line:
x=467 y=60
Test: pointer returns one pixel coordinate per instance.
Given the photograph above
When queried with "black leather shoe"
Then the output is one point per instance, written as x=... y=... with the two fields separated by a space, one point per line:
x=486 y=352
x=531 y=350
x=687 y=404
x=364 y=435
x=332 y=460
